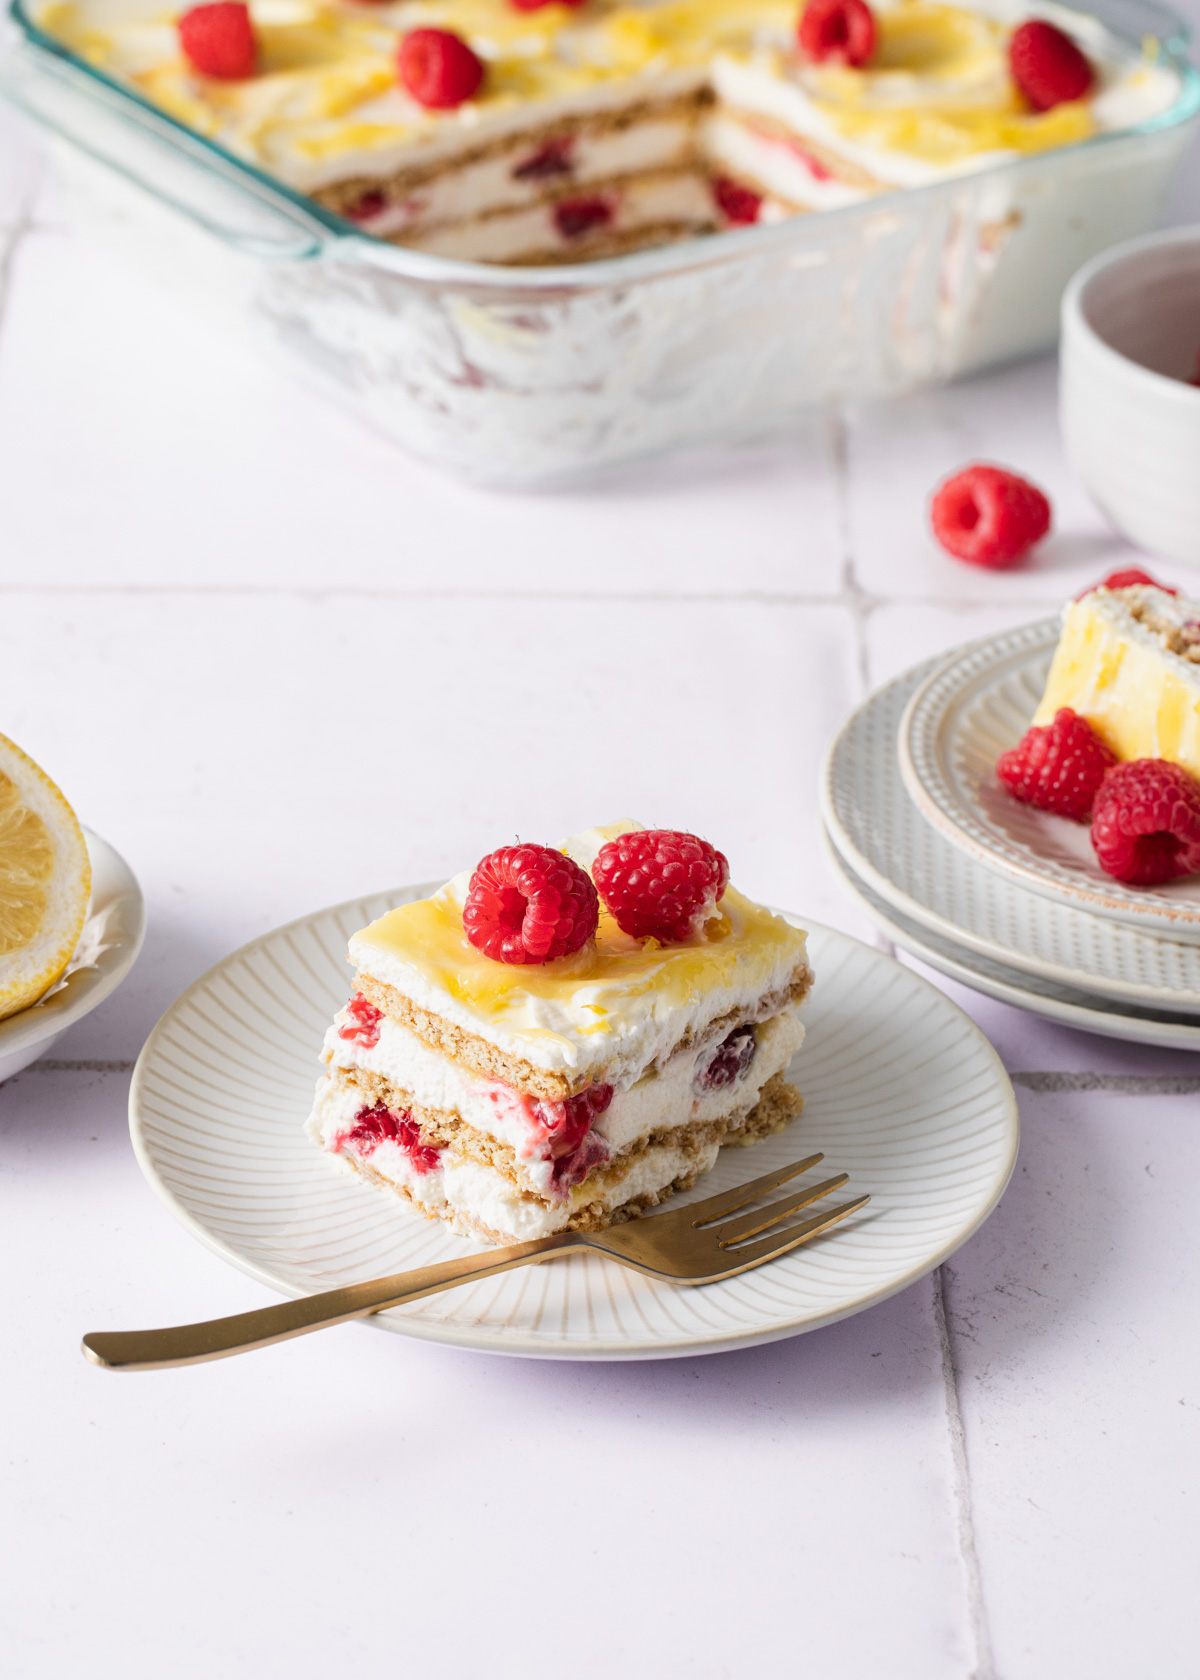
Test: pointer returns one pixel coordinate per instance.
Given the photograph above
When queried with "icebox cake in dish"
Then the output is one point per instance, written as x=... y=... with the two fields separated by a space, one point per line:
x=525 y=1054
x=508 y=131
x=1128 y=660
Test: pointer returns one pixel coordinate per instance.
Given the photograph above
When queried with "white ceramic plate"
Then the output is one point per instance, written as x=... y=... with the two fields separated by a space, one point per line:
x=902 y=1091
x=973 y=707
x=108 y=948
x=1041 y=997
x=878 y=830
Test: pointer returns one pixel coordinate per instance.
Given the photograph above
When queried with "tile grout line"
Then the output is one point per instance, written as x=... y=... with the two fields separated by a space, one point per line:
x=983 y=1666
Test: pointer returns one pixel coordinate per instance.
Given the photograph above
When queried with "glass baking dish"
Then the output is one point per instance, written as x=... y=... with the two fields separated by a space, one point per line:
x=525 y=376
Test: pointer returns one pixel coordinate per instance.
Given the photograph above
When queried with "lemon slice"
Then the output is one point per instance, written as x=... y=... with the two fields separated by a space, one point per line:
x=45 y=881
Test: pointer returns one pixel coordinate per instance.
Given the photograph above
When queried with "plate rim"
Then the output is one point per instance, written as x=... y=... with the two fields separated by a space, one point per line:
x=907 y=904
x=515 y=1346
x=938 y=801
x=1076 y=1016
x=49 y=1017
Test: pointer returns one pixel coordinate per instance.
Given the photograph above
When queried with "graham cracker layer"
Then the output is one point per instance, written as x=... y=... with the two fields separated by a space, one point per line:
x=490 y=1062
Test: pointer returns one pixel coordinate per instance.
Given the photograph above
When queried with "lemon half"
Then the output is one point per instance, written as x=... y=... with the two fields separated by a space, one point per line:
x=45 y=881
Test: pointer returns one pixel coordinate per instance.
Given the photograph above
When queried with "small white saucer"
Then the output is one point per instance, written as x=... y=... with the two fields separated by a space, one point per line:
x=1063 y=1004
x=108 y=948
x=878 y=831
x=977 y=703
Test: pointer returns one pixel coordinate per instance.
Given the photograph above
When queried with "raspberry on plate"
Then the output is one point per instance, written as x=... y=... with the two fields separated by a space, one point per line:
x=837 y=32
x=438 y=68
x=1058 y=766
x=657 y=883
x=218 y=40
x=1146 y=824
x=1047 y=66
x=529 y=904
x=989 y=517
x=1124 y=578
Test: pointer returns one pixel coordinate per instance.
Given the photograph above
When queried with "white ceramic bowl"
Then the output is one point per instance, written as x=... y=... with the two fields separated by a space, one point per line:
x=1131 y=423
x=108 y=947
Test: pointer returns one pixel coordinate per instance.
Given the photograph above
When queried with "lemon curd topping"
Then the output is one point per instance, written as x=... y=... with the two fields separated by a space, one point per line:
x=938 y=89
x=618 y=1000
x=1113 y=670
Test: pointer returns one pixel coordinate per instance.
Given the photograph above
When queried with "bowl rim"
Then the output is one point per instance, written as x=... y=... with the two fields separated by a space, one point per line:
x=1077 y=329
x=52 y=1014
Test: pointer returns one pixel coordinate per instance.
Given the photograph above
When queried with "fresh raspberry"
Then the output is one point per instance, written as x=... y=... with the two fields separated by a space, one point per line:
x=363 y=1024
x=529 y=904
x=438 y=68
x=553 y=157
x=370 y=204
x=573 y=217
x=1058 y=766
x=536 y=5
x=728 y=1062
x=1125 y=579
x=736 y=203
x=837 y=32
x=1047 y=66
x=218 y=40
x=660 y=884
x=373 y=1126
x=1146 y=825
x=562 y=1126
x=988 y=517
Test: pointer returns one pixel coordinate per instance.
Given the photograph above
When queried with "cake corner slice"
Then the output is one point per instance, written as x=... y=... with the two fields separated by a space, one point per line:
x=525 y=1054
x=1128 y=660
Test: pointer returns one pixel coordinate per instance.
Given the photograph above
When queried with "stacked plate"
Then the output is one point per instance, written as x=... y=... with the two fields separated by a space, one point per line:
x=1006 y=899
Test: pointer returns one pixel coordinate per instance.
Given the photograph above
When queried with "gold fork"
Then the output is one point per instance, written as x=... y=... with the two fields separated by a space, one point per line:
x=685 y=1246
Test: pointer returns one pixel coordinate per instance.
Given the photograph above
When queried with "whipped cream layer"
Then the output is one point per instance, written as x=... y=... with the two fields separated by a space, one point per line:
x=937 y=98
x=608 y=1012
x=477 y=1200
x=1123 y=663
x=681 y=1093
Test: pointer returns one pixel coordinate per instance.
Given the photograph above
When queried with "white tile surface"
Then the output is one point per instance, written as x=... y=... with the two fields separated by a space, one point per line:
x=278 y=664
x=1073 y=1317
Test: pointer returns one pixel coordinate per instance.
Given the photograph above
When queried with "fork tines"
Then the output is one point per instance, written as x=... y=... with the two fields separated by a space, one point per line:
x=738 y=1231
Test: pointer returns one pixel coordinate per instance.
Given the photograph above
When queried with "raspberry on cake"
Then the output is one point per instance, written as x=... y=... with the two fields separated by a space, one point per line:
x=1128 y=660
x=1058 y=766
x=519 y=1094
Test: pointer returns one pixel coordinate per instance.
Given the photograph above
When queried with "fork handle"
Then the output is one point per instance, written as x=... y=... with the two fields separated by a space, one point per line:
x=192 y=1344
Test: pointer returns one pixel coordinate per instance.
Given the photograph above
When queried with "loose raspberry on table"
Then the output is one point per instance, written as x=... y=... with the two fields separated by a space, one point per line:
x=218 y=40
x=988 y=517
x=736 y=203
x=529 y=904
x=1146 y=824
x=364 y=1022
x=837 y=32
x=660 y=884
x=1047 y=66
x=438 y=68
x=1058 y=766
x=1125 y=578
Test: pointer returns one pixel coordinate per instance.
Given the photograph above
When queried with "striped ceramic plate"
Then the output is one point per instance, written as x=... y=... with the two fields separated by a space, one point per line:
x=902 y=1092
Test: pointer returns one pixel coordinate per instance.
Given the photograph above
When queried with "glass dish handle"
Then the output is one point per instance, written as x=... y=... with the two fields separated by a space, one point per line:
x=178 y=169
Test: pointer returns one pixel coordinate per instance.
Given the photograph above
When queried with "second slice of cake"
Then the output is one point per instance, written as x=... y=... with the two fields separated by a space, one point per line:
x=515 y=1099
